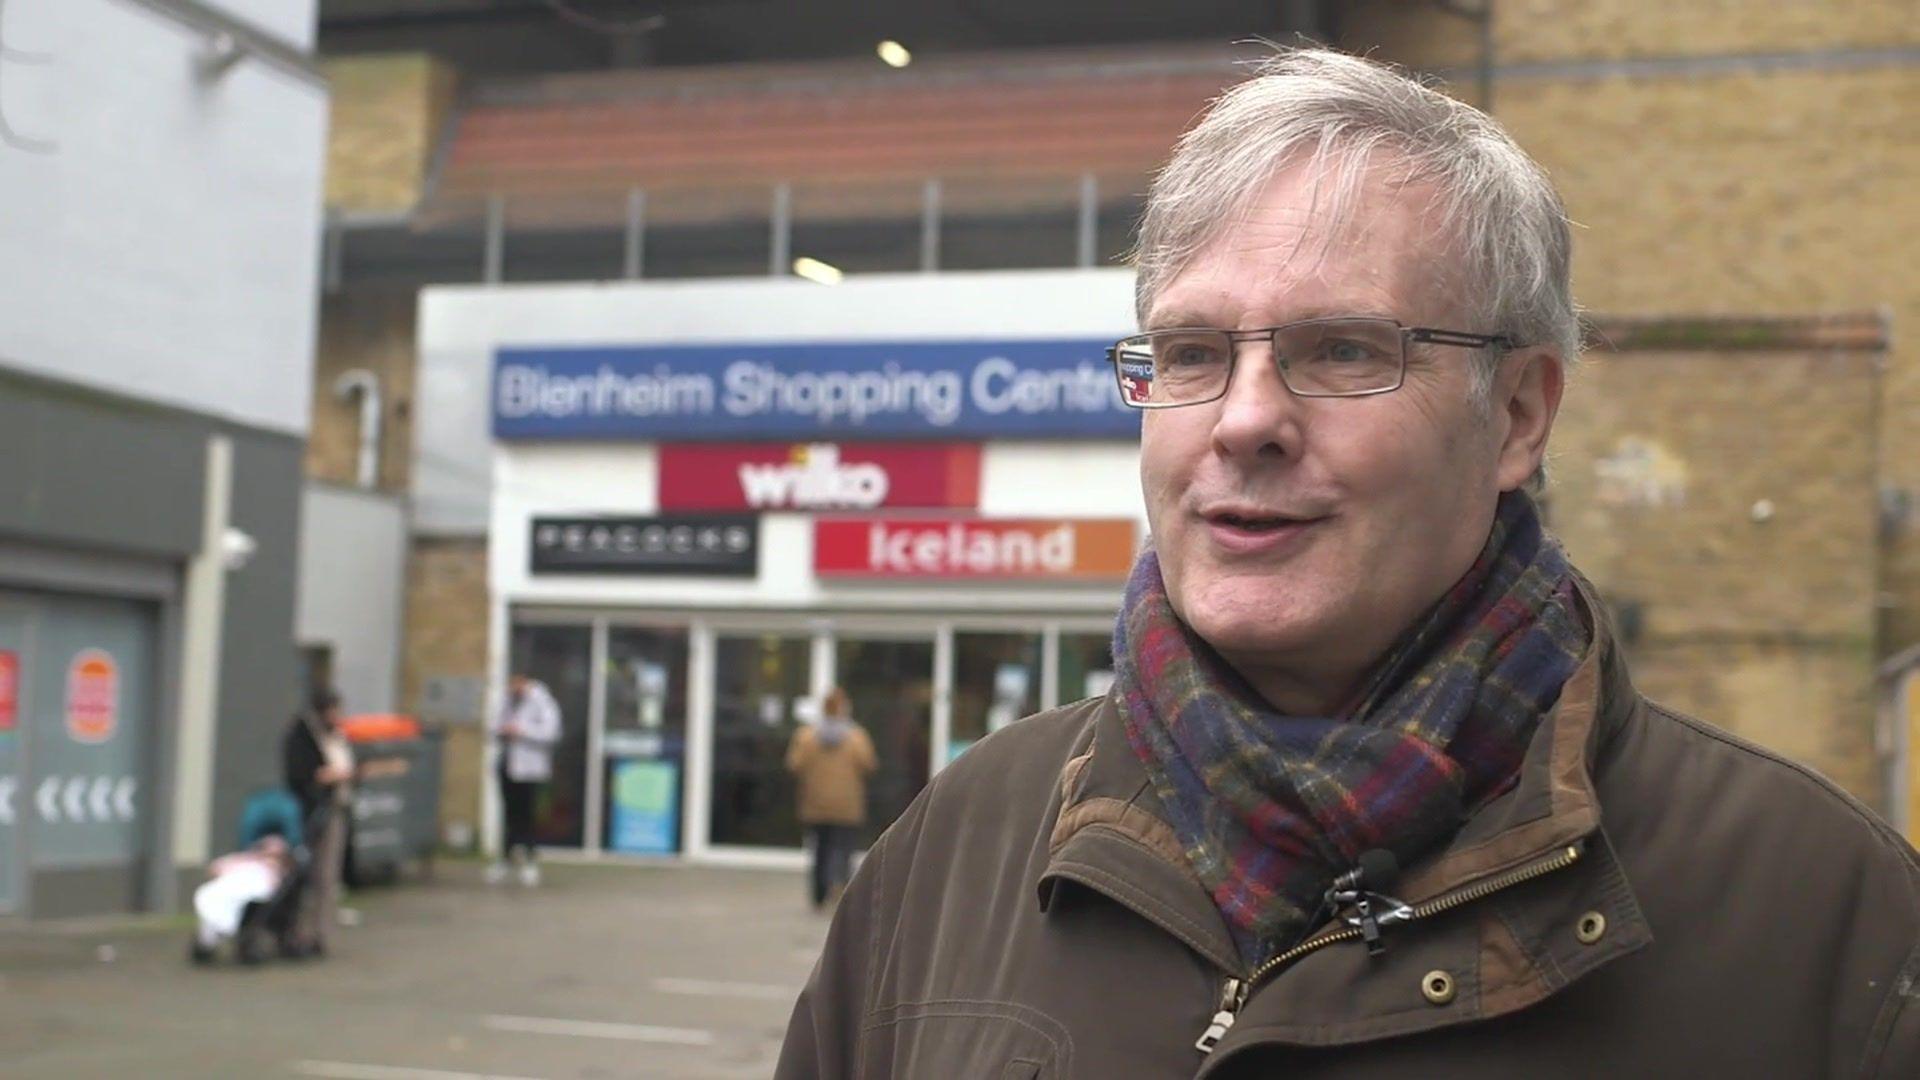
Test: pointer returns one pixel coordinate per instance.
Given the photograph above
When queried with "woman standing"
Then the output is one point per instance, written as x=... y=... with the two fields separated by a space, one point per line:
x=319 y=770
x=832 y=760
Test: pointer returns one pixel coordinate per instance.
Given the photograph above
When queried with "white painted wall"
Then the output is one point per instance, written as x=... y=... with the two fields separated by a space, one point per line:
x=159 y=233
x=461 y=326
x=352 y=561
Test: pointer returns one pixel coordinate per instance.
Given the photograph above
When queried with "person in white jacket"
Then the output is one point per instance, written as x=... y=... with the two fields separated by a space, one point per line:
x=526 y=729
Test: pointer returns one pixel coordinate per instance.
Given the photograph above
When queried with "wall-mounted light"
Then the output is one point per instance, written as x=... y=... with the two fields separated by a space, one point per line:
x=237 y=548
x=893 y=54
x=820 y=273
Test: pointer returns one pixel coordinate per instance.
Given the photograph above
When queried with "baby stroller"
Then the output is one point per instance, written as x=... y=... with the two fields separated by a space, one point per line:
x=266 y=922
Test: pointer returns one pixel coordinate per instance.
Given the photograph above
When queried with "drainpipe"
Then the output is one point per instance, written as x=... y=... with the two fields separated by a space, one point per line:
x=366 y=385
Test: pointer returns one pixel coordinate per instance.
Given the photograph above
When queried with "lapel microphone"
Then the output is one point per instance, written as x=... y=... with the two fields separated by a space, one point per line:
x=1361 y=888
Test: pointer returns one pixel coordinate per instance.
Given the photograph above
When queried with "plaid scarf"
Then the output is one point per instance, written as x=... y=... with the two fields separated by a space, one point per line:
x=1270 y=808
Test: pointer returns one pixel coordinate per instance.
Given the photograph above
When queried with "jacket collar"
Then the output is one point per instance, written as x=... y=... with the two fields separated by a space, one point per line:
x=1110 y=837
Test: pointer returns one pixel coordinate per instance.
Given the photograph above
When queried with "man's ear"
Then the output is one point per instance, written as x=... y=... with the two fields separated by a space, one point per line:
x=1527 y=393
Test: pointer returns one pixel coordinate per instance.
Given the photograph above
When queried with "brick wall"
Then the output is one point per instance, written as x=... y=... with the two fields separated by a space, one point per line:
x=387 y=114
x=1723 y=500
x=446 y=638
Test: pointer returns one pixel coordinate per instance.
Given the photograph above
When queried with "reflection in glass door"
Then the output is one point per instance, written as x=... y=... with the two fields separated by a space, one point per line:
x=757 y=682
x=560 y=657
x=890 y=683
x=1086 y=665
x=996 y=680
x=643 y=743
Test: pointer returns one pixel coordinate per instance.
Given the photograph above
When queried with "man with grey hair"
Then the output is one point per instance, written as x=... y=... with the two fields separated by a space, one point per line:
x=1372 y=794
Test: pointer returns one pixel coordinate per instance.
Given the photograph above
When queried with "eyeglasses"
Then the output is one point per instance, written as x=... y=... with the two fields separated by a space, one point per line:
x=1342 y=357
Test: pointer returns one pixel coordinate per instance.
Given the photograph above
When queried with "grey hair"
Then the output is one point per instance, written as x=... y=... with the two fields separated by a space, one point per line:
x=1341 y=116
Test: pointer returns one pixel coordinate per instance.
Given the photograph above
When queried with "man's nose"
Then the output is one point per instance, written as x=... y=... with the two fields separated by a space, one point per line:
x=1258 y=414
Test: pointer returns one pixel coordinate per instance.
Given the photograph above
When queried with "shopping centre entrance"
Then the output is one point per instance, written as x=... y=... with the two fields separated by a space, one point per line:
x=678 y=745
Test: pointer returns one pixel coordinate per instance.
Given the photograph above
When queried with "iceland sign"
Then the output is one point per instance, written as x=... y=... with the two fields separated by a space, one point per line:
x=910 y=390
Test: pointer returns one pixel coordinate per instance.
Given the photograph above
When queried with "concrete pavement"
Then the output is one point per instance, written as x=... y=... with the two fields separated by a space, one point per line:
x=605 y=971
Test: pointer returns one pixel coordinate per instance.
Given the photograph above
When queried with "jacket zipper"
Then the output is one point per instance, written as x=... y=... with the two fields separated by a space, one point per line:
x=1235 y=992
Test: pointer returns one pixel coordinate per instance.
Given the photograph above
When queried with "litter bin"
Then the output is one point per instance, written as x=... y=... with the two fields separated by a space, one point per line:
x=396 y=797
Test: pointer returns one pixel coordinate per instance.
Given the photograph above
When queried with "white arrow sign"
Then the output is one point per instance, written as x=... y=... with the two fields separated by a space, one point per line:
x=123 y=797
x=43 y=798
x=6 y=800
x=70 y=800
x=97 y=794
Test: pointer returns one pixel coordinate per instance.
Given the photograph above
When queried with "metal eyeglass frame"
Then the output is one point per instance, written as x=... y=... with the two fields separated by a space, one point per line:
x=1421 y=335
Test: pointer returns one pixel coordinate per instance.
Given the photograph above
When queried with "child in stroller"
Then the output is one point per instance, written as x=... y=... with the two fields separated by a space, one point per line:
x=253 y=895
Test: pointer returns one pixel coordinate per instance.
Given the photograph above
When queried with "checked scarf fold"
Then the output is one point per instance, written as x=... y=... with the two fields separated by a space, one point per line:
x=1270 y=808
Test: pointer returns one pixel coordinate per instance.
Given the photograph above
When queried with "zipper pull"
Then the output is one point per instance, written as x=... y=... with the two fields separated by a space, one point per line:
x=1222 y=1020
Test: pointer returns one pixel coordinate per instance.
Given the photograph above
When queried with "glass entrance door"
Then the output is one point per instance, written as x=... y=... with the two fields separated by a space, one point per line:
x=643 y=745
x=889 y=680
x=760 y=688
x=560 y=657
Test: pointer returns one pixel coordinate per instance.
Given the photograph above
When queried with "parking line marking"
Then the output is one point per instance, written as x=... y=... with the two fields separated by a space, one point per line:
x=709 y=988
x=596 y=1029
x=347 y=1070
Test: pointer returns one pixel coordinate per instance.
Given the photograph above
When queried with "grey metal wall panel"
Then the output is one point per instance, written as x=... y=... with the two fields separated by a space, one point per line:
x=87 y=470
x=81 y=891
x=352 y=563
x=259 y=676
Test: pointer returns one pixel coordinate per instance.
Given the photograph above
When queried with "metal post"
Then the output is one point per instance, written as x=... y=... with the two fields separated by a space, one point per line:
x=592 y=829
x=1089 y=218
x=636 y=232
x=941 y=743
x=782 y=241
x=930 y=226
x=496 y=245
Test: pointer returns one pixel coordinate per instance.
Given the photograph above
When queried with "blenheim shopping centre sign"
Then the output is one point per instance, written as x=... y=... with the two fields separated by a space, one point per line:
x=908 y=390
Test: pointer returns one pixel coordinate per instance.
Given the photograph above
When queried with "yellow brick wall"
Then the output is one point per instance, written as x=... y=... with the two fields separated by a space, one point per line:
x=370 y=329
x=1754 y=194
x=1762 y=627
x=446 y=637
x=387 y=115
x=1533 y=30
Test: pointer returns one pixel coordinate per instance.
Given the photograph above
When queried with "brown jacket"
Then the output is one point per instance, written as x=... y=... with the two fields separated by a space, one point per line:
x=833 y=780
x=1655 y=898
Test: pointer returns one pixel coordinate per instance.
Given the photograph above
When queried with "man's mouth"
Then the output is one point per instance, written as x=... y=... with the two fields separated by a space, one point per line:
x=1246 y=530
x=1256 y=523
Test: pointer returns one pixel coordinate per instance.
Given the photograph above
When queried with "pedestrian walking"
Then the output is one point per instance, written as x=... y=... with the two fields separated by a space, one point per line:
x=318 y=762
x=525 y=729
x=830 y=761
x=1373 y=793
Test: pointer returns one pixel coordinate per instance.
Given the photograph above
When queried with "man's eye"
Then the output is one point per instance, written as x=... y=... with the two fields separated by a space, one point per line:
x=1349 y=352
x=1192 y=355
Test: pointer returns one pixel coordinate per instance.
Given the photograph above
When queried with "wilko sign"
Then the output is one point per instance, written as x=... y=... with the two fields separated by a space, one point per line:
x=818 y=476
x=93 y=696
x=1069 y=550
x=9 y=690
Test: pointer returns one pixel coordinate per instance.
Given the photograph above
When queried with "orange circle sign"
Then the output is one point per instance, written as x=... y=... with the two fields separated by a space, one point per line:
x=93 y=696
